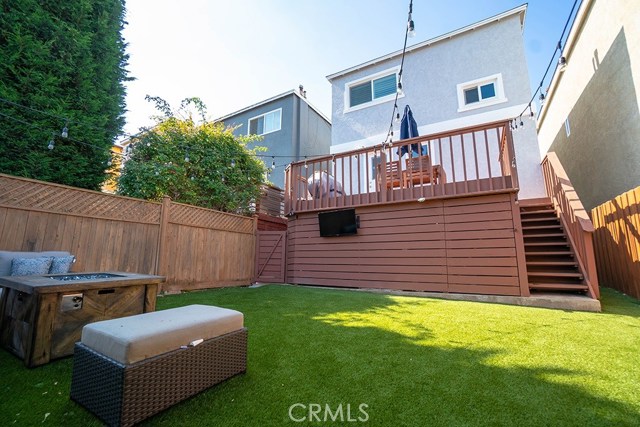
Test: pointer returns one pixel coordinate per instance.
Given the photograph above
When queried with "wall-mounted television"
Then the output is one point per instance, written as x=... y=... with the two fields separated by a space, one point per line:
x=338 y=223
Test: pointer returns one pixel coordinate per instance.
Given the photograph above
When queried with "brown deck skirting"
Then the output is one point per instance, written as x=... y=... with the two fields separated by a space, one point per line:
x=462 y=245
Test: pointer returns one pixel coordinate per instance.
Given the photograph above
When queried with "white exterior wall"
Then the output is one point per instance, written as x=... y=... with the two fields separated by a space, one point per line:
x=430 y=78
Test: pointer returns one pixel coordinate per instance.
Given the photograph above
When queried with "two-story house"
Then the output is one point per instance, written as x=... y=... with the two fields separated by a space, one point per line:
x=471 y=211
x=291 y=129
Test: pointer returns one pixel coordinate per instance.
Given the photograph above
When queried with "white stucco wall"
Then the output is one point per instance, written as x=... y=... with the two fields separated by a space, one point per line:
x=430 y=78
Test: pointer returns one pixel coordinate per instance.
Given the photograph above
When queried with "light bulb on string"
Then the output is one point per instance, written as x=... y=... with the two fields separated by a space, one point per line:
x=233 y=163
x=51 y=143
x=521 y=122
x=65 y=130
x=186 y=157
x=411 y=32
x=542 y=99
x=531 y=115
x=400 y=92
x=397 y=115
x=562 y=63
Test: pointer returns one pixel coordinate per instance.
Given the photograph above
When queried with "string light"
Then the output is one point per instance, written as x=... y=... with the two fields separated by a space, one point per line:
x=52 y=143
x=395 y=114
x=186 y=156
x=412 y=29
x=562 y=61
x=233 y=163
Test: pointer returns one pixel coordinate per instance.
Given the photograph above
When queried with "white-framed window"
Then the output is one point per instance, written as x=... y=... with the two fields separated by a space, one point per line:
x=371 y=90
x=266 y=123
x=481 y=93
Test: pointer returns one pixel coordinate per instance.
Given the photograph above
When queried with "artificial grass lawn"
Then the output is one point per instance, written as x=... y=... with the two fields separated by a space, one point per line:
x=412 y=361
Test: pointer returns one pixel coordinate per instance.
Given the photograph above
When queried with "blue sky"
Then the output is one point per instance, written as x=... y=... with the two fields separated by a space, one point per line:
x=235 y=53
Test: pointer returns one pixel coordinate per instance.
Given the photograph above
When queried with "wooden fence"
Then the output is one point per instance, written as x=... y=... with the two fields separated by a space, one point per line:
x=193 y=247
x=617 y=242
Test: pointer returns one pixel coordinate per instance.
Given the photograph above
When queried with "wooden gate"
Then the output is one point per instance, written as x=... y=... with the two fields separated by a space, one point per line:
x=270 y=256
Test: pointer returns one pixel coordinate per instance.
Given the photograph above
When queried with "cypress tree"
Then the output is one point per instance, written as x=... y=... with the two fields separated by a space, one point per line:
x=64 y=61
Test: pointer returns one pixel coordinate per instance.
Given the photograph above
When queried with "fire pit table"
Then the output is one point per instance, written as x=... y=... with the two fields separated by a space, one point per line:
x=41 y=317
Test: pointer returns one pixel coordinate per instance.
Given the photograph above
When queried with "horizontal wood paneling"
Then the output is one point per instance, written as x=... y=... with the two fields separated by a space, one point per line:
x=456 y=245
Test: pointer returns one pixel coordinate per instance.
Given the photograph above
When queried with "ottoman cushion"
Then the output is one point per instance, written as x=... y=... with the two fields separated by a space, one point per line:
x=135 y=338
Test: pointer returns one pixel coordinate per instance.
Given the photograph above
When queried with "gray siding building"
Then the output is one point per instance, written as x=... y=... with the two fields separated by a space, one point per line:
x=291 y=128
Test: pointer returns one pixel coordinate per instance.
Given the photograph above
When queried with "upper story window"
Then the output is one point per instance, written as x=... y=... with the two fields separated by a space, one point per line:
x=266 y=123
x=371 y=90
x=481 y=93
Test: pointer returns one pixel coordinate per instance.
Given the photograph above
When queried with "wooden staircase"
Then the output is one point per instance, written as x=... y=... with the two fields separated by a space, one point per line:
x=551 y=264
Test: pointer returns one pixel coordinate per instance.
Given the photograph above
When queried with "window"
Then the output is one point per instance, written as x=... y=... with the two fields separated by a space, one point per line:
x=480 y=93
x=266 y=123
x=371 y=90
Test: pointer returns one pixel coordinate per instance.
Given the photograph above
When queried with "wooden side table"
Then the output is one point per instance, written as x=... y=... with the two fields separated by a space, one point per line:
x=41 y=317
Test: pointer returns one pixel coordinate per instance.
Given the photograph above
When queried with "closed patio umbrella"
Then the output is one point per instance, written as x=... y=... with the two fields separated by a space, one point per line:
x=409 y=129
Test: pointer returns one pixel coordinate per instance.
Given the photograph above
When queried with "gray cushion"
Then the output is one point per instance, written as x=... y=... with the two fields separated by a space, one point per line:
x=134 y=338
x=7 y=256
x=61 y=264
x=30 y=266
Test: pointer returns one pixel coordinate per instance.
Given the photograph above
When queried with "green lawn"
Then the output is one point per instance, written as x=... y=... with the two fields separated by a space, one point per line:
x=411 y=361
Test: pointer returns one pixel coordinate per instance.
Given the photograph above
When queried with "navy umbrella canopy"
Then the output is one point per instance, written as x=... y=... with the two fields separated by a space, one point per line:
x=409 y=129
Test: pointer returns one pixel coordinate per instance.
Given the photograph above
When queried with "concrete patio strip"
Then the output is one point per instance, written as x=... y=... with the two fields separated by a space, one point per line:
x=560 y=301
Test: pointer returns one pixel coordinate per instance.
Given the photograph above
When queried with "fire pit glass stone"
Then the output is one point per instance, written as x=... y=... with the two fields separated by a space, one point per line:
x=68 y=277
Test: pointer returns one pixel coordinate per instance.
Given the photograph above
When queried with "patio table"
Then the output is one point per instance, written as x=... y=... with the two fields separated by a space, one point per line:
x=41 y=317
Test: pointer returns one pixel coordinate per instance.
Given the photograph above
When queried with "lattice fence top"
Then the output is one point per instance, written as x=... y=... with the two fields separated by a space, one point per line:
x=54 y=198
x=208 y=218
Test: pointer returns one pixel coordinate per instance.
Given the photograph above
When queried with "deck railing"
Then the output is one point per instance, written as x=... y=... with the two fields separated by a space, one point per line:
x=574 y=218
x=471 y=160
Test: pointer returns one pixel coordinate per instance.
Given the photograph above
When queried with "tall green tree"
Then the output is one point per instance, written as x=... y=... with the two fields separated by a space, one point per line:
x=65 y=61
x=198 y=163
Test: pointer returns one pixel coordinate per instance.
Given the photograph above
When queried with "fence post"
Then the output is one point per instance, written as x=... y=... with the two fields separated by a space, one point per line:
x=163 y=237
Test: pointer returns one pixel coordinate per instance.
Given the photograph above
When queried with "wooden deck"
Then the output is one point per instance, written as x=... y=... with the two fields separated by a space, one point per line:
x=450 y=222
x=468 y=161
x=461 y=245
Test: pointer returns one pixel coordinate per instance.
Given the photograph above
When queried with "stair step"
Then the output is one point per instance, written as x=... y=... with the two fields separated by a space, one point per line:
x=552 y=263
x=558 y=286
x=555 y=274
x=539 y=211
x=530 y=236
x=547 y=253
x=543 y=227
x=533 y=220
x=564 y=243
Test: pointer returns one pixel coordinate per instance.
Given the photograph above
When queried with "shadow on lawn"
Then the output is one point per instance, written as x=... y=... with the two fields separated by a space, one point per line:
x=331 y=348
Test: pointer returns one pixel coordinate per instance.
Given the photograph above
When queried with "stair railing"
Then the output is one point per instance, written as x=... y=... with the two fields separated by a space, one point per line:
x=574 y=218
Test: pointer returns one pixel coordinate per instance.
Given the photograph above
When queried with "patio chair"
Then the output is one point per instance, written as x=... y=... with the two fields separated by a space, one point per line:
x=392 y=173
x=419 y=170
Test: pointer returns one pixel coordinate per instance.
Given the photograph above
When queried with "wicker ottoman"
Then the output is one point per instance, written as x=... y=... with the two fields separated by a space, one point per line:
x=128 y=369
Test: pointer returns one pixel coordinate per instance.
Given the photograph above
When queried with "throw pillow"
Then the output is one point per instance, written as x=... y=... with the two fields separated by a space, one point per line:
x=30 y=266
x=61 y=264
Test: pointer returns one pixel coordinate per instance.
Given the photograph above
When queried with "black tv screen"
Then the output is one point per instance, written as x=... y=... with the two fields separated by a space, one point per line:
x=338 y=223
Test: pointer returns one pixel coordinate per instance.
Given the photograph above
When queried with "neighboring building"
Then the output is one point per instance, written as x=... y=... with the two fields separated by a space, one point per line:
x=591 y=116
x=290 y=126
x=474 y=75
